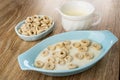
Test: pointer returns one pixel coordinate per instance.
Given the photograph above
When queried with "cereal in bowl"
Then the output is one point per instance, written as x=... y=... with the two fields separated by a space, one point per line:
x=35 y=25
x=68 y=54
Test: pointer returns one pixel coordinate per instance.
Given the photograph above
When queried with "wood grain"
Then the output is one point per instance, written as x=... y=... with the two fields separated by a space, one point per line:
x=13 y=11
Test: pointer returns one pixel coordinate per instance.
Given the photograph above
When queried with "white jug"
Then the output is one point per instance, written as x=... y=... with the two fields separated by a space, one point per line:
x=78 y=15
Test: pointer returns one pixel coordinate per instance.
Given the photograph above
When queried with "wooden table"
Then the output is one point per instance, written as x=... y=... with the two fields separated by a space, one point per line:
x=13 y=11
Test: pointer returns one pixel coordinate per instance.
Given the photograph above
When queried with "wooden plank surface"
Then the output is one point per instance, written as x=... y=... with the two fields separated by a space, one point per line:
x=13 y=11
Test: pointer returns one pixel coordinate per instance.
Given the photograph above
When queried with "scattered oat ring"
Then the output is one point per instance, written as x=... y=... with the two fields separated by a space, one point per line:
x=96 y=46
x=89 y=56
x=29 y=20
x=60 y=61
x=68 y=58
x=49 y=66
x=85 y=42
x=52 y=48
x=83 y=49
x=39 y=64
x=67 y=47
x=51 y=59
x=59 y=45
x=79 y=56
x=61 y=54
x=76 y=44
x=45 y=53
x=72 y=66
x=67 y=43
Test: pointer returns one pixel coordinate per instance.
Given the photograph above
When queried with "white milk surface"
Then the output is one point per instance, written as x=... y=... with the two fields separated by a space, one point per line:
x=73 y=51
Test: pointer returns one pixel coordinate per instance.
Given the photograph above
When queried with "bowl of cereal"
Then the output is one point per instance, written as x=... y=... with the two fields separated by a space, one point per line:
x=34 y=27
x=67 y=53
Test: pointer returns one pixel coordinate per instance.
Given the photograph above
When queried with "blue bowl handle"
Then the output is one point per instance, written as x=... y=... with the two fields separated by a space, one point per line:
x=110 y=36
x=24 y=64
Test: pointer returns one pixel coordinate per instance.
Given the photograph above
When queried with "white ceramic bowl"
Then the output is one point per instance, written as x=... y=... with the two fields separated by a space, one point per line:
x=33 y=37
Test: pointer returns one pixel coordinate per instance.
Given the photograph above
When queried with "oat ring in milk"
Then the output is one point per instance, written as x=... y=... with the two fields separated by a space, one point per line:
x=72 y=66
x=89 y=55
x=96 y=46
x=49 y=66
x=68 y=54
x=68 y=58
x=83 y=49
x=39 y=64
x=62 y=54
x=45 y=53
x=85 y=42
x=60 y=61
x=77 y=44
x=51 y=59
x=67 y=42
x=79 y=56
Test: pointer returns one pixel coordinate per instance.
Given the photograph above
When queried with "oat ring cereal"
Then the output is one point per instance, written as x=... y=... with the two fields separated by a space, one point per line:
x=29 y=20
x=85 y=42
x=68 y=58
x=51 y=59
x=76 y=44
x=72 y=66
x=60 y=45
x=68 y=54
x=60 y=61
x=83 y=49
x=35 y=25
x=67 y=43
x=96 y=46
x=52 y=48
x=39 y=64
x=89 y=56
x=45 y=53
x=79 y=56
x=62 y=54
x=49 y=66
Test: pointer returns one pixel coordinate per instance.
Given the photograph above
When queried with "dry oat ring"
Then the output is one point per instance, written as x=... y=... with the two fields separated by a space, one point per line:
x=37 y=24
x=34 y=27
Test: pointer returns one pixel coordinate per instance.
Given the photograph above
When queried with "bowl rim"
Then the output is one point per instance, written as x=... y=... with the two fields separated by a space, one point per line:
x=23 y=21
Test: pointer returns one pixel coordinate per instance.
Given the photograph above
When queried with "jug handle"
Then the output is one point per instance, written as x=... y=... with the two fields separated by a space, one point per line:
x=58 y=9
x=98 y=20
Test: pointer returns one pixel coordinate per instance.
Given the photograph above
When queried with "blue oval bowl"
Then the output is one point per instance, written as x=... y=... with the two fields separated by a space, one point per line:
x=105 y=38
